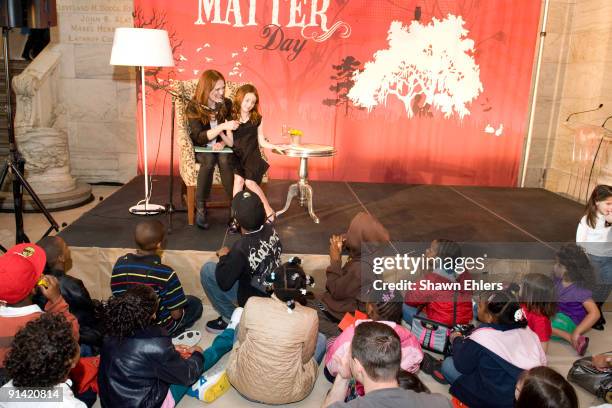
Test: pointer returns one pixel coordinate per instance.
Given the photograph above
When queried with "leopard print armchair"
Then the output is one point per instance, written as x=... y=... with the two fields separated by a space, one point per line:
x=188 y=166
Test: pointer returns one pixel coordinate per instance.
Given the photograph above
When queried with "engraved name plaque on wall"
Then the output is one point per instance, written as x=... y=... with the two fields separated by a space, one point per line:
x=92 y=21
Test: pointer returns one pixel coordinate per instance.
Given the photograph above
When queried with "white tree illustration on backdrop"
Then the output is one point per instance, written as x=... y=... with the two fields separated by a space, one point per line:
x=435 y=60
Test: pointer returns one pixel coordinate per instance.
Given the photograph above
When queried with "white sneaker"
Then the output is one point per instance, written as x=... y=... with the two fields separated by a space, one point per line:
x=236 y=315
x=210 y=387
x=188 y=338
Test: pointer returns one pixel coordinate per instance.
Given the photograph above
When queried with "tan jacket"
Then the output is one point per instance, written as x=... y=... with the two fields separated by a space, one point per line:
x=272 y=361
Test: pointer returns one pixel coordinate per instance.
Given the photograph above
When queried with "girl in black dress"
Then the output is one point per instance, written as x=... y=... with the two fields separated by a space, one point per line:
x=245 y=141
x=209 y=117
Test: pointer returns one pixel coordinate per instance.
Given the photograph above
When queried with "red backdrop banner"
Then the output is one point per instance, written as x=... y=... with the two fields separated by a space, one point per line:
x=409 y=91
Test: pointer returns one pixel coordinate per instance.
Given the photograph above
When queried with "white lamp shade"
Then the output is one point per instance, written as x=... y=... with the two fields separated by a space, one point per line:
x=141 y=47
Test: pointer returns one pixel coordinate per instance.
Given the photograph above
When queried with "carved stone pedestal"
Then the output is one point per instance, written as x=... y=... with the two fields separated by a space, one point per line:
x=42 y=145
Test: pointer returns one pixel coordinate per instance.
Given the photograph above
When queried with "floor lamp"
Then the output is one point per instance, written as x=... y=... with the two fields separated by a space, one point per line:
x=143 y=47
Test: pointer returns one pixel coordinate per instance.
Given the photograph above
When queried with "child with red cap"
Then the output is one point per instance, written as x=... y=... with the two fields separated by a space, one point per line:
x=20 y=271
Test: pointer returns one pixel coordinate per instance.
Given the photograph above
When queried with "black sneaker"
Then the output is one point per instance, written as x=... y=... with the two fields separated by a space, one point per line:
x=216 y=326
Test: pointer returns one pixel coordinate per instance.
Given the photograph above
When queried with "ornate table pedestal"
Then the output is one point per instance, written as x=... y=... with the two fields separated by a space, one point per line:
x=302 y=189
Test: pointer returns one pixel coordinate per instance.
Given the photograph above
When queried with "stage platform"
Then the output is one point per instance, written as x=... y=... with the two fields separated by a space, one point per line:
x=411 y=213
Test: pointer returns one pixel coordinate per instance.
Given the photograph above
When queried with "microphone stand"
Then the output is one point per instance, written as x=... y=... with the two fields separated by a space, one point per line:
x=603 y=125
x=586 y=111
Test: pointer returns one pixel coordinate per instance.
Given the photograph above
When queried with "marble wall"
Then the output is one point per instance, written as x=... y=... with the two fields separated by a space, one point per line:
x=575 y=76
x=99 y=99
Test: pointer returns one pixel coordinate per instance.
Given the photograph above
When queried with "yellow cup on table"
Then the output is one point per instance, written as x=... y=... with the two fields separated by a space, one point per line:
x=296 y=136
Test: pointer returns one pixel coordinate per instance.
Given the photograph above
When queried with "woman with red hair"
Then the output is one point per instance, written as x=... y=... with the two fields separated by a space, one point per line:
x=209 y=115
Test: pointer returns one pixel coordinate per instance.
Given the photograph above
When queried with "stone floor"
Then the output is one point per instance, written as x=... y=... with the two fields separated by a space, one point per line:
x=560 y=355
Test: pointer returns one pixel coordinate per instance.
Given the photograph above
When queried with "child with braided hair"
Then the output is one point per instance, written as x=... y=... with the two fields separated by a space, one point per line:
x=275 y=359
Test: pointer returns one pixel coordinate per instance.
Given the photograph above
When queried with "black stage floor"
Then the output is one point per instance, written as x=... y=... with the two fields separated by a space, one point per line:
x=411 y=213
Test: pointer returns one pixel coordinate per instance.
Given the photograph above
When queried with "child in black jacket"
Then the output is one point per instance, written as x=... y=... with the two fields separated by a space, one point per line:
x=139 y=365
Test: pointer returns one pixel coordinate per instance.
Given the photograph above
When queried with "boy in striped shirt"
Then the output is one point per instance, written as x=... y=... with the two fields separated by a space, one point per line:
x=176 y=312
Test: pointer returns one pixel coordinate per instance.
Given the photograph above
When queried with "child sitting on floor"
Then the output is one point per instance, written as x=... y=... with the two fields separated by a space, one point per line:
x=577 y=312
x=74 y=292
x=389 y=311
x=21 y=270
x=485 y=366
x=365 y=239
x=42 y=354
x=177 y=312
x=139 y=366
x=538 y=299
x=446 y=307
x=277 y=354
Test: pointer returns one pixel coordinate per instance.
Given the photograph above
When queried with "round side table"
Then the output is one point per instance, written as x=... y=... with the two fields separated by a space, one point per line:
x=302 y=189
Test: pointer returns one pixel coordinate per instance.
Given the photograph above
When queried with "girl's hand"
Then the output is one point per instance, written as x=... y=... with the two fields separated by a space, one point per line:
x=575 y=337
x=454 y=335
x=609 y=217
x=230 y=125
x=344 y=367
x=218 y=146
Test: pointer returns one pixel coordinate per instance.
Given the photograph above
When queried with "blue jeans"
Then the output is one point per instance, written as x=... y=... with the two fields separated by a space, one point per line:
x=192 y=311
x=408 y=313
x=223 y=302
x=603 y=270
x=321 y=348
x=449 y=371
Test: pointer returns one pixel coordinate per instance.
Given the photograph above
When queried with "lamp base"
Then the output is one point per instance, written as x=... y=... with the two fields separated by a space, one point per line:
x=147 y=209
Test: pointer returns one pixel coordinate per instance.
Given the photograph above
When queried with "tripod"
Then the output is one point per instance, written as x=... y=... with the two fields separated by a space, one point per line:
x=15 y=163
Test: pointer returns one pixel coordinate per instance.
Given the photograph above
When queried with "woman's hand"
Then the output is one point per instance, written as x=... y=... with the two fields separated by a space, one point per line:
x=230 y=125
x=218 y=146
x=602 y=361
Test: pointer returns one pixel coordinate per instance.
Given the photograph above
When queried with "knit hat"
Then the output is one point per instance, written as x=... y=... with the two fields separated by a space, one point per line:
x=248 y=210
x=20 y=269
